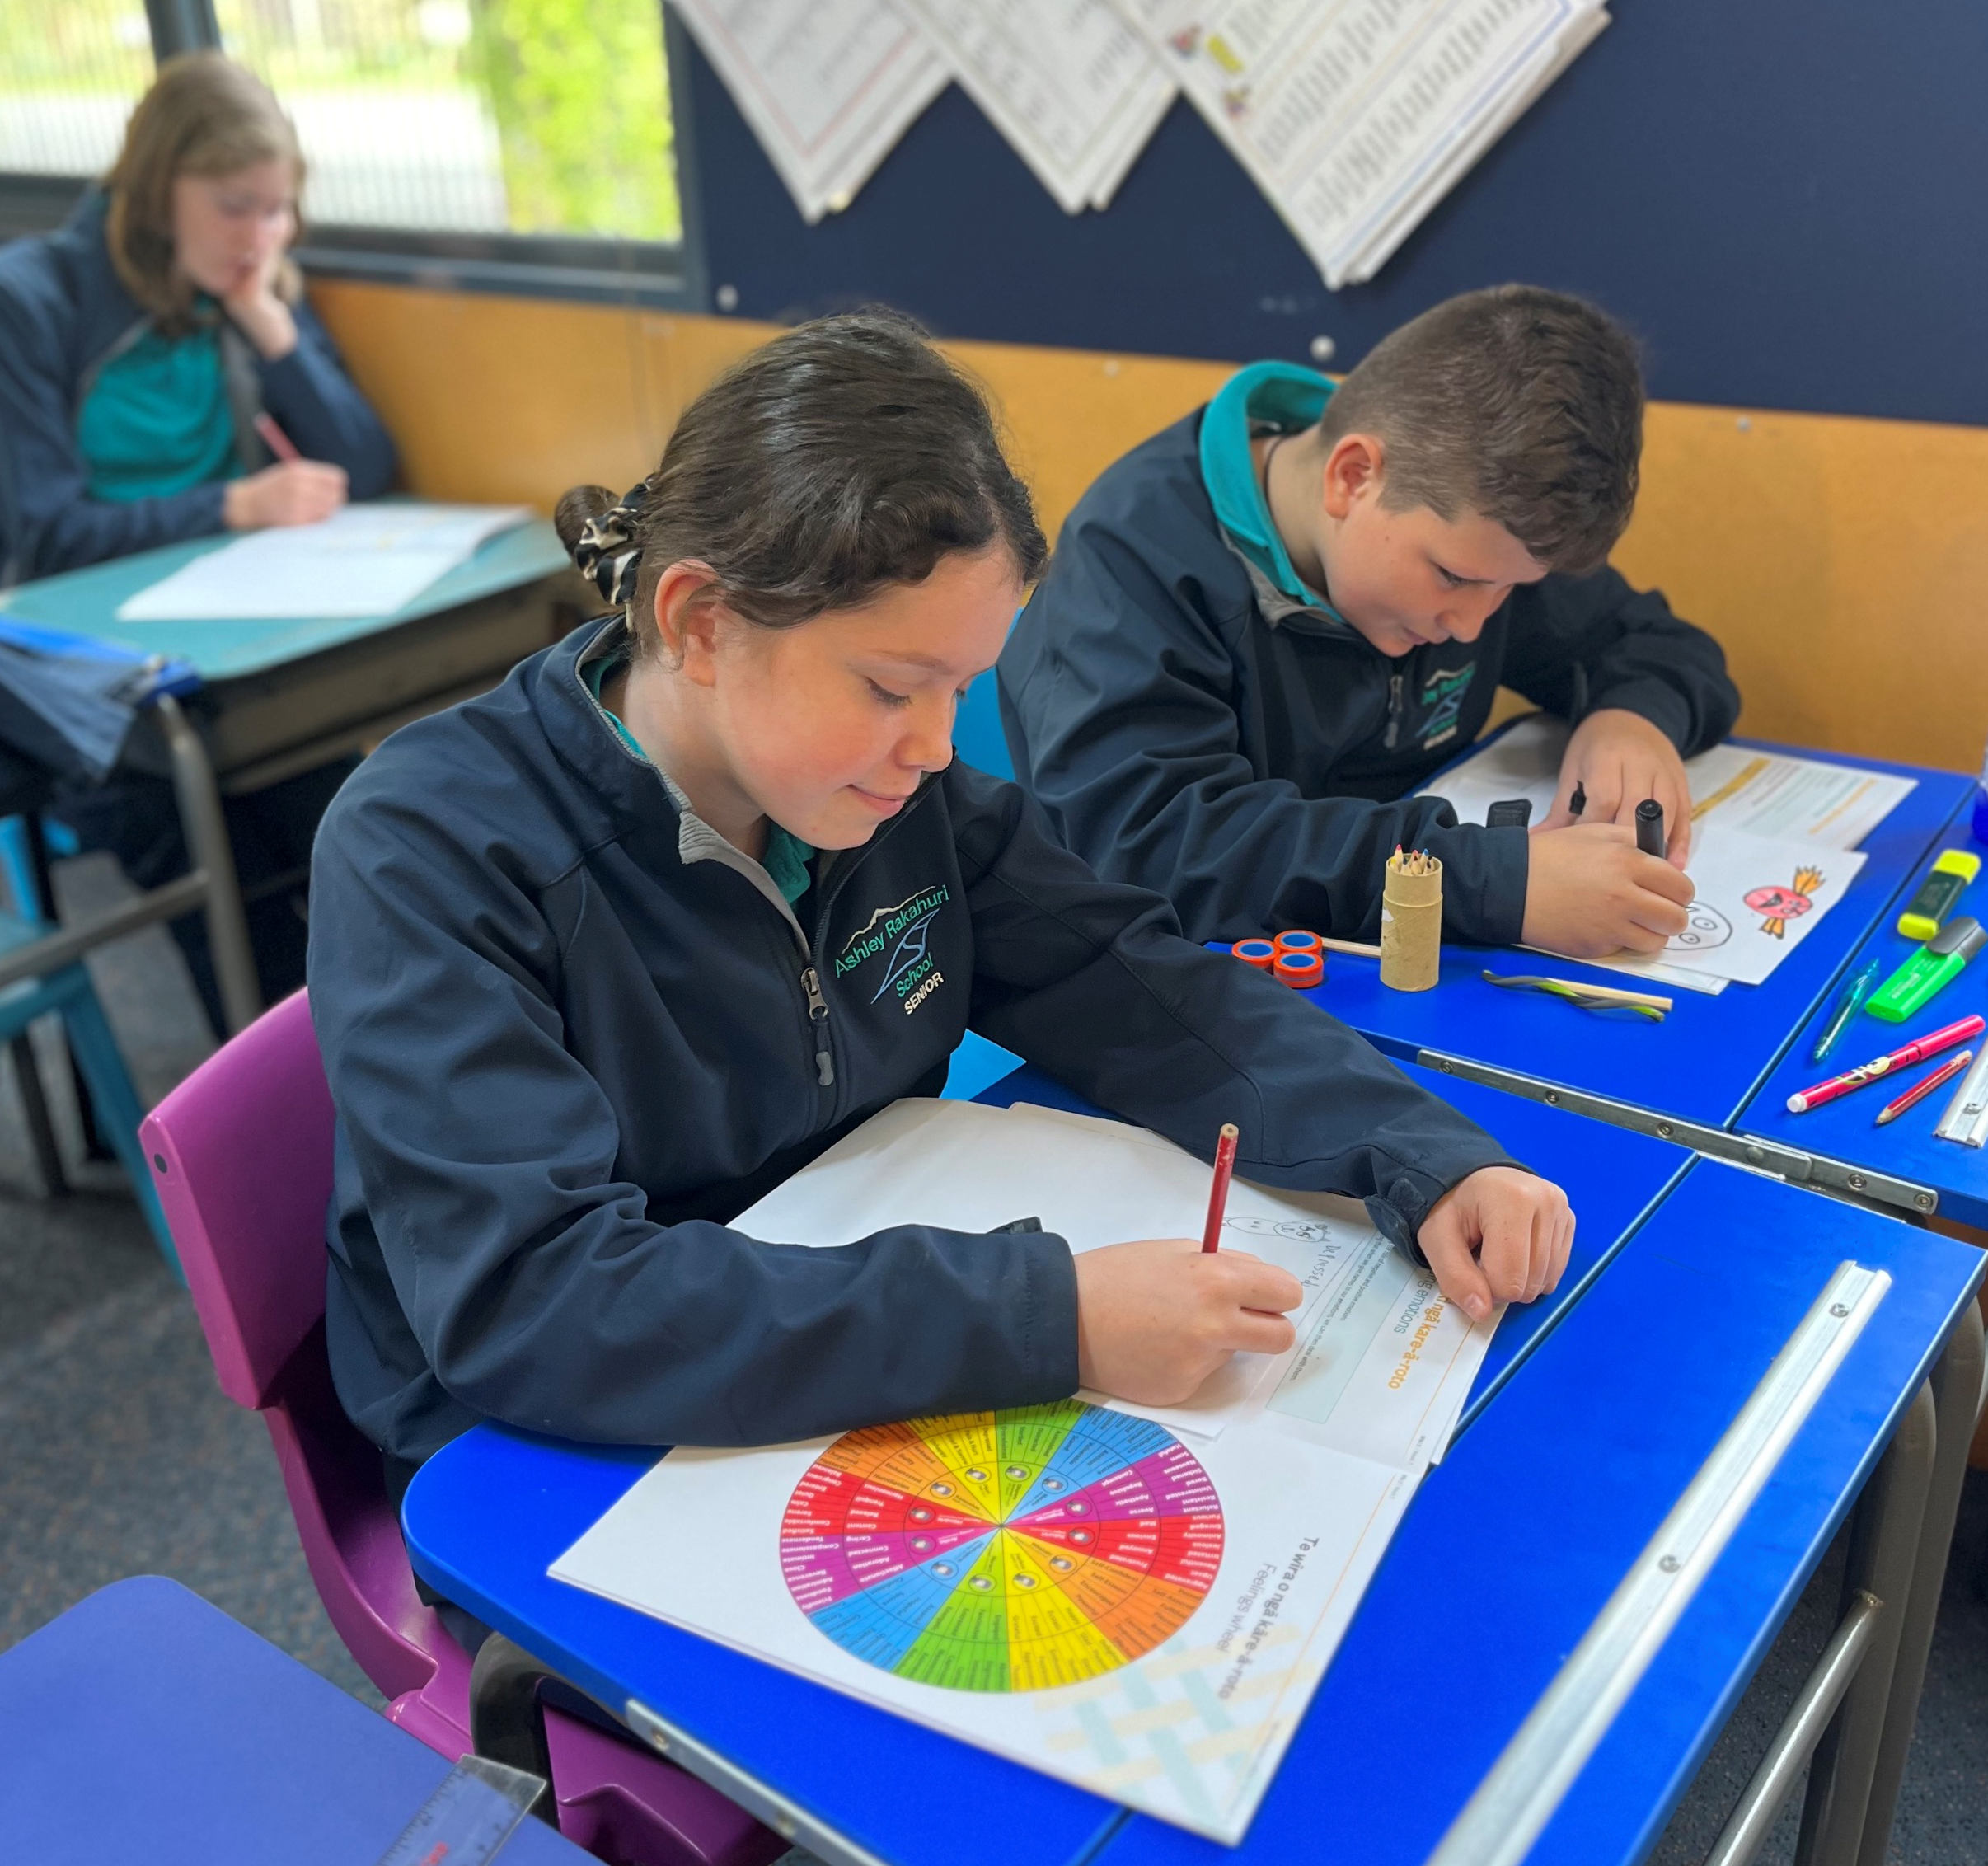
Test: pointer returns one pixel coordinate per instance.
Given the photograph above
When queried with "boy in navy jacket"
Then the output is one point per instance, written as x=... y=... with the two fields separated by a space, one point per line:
x=1264 y=628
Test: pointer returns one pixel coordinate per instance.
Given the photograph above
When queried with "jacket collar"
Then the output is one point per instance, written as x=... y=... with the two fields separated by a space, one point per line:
x=1265 y=398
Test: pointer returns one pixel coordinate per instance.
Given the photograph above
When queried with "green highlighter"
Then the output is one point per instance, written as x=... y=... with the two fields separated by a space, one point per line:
x=1935 y=965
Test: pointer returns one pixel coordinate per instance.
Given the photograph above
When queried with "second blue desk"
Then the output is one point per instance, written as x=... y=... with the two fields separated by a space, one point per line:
x=487 y=1516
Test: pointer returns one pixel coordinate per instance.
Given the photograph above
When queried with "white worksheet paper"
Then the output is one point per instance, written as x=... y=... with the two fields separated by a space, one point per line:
x=965 y=1167
x=829 y=86
x=369 y=559
x=1355 y=116
x=1073 y=90
x=1830 y=806
x=827 y=1559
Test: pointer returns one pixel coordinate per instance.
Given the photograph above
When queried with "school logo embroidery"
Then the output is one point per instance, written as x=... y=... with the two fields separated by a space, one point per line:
x=899 y=936
x=1443 y=694
x=1781 y=905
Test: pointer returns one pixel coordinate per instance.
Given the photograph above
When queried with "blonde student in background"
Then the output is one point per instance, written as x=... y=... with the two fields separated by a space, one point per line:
x=141 y=341
x=139 y=346
x=600 y=958
x=1269 y=625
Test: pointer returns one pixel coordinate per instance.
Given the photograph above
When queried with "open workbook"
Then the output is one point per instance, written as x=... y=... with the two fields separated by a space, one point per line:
x=1773 y=844
x=1140 y=1601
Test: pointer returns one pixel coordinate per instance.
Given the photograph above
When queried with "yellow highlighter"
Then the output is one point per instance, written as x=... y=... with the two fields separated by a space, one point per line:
x=1944 y=884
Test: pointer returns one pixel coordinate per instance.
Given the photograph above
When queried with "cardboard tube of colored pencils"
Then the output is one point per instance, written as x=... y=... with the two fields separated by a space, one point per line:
x=1411 y=923
x=1218 y=1193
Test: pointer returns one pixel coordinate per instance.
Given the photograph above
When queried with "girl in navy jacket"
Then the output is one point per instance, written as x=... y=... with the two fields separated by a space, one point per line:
x=598 y=959
x=139 y=343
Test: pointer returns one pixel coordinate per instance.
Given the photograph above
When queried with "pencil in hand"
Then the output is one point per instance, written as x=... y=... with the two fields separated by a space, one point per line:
x=1218 y=1193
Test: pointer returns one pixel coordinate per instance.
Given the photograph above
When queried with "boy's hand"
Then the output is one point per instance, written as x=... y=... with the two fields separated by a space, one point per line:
x=1501 y=1235
x=1618 y=759
x=1590 y=892
x=1154 y=1318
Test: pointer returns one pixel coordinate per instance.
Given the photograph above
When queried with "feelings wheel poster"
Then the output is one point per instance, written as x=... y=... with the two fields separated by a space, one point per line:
x=1003 y=1551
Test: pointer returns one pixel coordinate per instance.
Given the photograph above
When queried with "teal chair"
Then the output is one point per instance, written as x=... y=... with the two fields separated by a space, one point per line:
x=977 y=739
x=65 y=991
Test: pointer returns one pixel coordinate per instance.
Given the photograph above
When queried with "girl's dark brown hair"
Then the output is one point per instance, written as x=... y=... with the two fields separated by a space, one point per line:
x=202 y=116
x=845 y=456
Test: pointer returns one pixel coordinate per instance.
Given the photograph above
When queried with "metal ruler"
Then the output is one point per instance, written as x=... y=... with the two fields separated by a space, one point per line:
x=1514 y=1803
x=1966 y=1117
x=479 y=1805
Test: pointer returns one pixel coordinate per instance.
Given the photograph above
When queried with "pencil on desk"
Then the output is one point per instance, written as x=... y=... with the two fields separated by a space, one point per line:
x=1218 y=1194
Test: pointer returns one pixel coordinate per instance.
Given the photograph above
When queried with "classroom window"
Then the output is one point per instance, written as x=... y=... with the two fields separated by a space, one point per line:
x=533 y=117
x=69 y=73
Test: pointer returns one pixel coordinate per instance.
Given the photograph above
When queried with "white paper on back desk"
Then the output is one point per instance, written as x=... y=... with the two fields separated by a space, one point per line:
x=1143 y=1611
x=369 y=559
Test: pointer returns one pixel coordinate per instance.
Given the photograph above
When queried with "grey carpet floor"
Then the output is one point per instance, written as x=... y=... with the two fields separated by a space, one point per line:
x=118 y=1455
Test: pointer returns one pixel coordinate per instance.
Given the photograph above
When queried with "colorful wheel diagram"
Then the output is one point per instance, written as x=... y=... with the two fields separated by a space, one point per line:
x=1004 y=1551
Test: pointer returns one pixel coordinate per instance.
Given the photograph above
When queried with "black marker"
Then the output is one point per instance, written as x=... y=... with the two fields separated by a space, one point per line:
x=1578 y=802
x=1649 y=829
x=1016 y=1226
x=1515 y=813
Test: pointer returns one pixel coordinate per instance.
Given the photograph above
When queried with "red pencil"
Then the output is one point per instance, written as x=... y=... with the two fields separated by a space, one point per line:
x=1218 y=1194
x=279 y=444
x=1924 y=1087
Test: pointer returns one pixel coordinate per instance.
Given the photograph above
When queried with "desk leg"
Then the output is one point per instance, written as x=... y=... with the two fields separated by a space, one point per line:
x=207 y=846
x=1957 y=1390
x=1884 y=1546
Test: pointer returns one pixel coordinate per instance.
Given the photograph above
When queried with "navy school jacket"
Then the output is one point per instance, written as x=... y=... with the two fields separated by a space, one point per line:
x=64 y=314
x=1188 y=728
x=571 y=1032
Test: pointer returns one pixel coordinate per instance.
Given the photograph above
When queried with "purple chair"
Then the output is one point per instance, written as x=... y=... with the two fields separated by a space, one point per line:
x=241 y=1153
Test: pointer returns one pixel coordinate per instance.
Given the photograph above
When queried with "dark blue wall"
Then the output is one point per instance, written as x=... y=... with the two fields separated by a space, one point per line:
x=1788 y=199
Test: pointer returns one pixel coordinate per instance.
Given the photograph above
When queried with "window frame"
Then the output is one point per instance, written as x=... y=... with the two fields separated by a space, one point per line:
x=652 y=274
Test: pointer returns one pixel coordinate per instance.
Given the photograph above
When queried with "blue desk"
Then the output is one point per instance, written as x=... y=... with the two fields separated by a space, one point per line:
x=144 y=1724
x=1515 y=1542
x=1688 y=1078
x=1907 y=1149
x=487 y=1516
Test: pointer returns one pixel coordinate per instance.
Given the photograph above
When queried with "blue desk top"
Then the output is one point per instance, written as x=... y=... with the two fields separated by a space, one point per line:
x=1704 y=1060
x=1515 y=1542
x=144 y=1724
x=85 y=603
x=1845 y=1130
x=487 y=1515
x=1614 y=1178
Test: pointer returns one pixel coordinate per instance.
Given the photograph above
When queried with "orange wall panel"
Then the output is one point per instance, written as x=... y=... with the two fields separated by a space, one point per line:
x=1843 y=562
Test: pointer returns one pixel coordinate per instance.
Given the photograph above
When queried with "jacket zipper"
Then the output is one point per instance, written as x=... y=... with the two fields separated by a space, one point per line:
x=810 y=975
x=1395 y=683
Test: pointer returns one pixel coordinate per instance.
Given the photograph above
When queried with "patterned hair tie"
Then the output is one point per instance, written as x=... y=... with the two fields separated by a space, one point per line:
x=605 y=552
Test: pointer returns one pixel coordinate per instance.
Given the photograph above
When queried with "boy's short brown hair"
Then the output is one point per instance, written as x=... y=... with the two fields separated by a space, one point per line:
x=1520 y=404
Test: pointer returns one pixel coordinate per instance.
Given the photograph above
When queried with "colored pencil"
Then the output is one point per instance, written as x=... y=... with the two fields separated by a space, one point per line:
x=1218 y=1193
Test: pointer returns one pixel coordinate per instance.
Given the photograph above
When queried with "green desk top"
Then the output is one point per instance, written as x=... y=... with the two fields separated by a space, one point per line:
x=86 y=602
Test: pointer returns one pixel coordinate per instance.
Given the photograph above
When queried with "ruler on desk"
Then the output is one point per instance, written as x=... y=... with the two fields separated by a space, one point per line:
x=479 y=1805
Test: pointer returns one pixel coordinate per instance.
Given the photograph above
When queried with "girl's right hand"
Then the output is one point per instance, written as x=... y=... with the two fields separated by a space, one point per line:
x=292 y=492
x=1155 y=1318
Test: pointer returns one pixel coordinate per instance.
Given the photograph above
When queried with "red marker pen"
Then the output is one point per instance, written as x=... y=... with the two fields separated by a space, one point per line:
x=1902 y=1058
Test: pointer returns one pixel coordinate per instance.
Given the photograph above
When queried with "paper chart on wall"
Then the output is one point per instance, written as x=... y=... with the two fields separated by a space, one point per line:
x=965 y=1167
x=1141 y=1611
x=829 y=86
x=1075 y=91
x=1355 y=116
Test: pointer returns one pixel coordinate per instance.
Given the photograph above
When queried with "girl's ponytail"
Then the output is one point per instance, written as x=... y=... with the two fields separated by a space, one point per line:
x=598 y=532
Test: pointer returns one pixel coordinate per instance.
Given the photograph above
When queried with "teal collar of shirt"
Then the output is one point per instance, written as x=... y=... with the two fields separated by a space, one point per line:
x=787 y=856
x=1266 y=397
